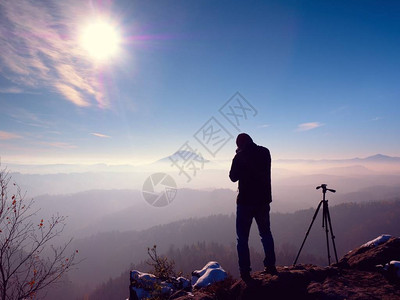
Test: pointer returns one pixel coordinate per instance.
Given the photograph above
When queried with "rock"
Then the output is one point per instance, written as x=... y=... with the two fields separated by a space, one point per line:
x=392 y=270
x=395 y=266
x=197 y=296
x=354 y=277
x=145 y=285
x=291 y=282
x=184 y=283
x=353 y=284
x=368 y=257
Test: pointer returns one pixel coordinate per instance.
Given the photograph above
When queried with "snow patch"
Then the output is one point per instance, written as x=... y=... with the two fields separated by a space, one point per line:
x=383 y=238
x=395 y=265
x=184 y=283
x=212 y=272
x=145 y=283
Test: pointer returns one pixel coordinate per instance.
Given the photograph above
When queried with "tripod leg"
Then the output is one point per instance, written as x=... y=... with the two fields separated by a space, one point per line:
x=325 y=223
x=308 y=231
x=332 y=235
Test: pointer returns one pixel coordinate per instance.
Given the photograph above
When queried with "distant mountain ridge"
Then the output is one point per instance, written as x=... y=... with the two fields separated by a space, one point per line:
x=347 y=175
x=377 y=158
x=198 y=156
x=381 y=158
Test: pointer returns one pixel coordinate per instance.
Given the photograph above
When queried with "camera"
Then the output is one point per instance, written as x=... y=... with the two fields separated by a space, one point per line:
x=324 y=188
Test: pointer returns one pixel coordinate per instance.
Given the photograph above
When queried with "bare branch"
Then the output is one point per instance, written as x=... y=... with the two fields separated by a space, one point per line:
x=24 y=271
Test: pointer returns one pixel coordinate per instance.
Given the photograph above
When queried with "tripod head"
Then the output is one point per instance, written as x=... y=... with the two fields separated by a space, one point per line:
x=324 y=188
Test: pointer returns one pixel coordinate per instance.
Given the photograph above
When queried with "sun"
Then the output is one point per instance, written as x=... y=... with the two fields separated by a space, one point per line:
x=101 y=40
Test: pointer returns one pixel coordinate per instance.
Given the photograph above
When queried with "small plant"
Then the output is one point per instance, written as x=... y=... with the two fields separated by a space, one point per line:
x=163 y=267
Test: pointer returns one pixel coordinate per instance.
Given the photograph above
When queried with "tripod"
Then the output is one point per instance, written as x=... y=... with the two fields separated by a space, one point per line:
x=326 y=219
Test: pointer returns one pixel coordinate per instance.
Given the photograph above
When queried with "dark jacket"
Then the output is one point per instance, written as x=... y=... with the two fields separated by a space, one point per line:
x=252 y=167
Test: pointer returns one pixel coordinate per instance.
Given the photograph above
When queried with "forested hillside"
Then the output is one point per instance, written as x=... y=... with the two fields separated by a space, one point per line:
x=193 y=242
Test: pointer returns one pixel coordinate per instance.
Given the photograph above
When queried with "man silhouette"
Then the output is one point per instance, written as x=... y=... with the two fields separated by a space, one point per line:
x=252 y=167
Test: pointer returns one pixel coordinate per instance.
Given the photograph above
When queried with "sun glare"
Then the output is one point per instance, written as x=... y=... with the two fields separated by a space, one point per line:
x=101 y=40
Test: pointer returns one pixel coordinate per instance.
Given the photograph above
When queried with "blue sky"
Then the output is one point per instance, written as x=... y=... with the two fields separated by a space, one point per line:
x=322 y=77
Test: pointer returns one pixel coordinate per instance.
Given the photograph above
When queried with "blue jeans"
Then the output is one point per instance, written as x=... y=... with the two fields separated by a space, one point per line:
x=244 y=218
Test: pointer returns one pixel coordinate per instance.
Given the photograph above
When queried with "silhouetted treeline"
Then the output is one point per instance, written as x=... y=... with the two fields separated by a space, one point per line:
x=353 y=225
x=197 y=240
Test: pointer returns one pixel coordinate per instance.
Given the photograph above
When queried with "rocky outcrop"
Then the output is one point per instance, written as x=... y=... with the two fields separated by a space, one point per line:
x=364 y=273
x=371 y=254
x=148 y=286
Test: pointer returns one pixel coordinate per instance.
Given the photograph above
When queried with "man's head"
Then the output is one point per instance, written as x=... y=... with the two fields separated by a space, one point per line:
x=242 y=140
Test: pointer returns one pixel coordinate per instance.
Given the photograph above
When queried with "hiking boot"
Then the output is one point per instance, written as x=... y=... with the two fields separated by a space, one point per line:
x=246 y=277
x=270 y=270
x=248 y=280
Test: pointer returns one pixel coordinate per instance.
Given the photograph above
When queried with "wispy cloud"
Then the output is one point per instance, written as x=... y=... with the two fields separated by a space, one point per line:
x=23 y=116
x=340 y=110
x=100 y=135
x=264 y=126
x=376 y=119
x=72 y=94
x=5 y=135
x=308 y=126
x=11 y=90
x=61 y=145
x=40 y=49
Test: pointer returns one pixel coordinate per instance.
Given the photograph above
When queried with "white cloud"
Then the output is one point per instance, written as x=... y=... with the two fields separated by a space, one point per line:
x=309 y=126
x=40 y=49
x=100 y=135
